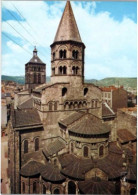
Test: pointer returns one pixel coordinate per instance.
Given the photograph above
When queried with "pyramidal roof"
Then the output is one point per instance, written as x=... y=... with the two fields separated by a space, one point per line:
x=67 y=29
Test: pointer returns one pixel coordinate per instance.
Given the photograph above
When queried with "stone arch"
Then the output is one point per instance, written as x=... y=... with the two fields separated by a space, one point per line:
x=64 y=91
x=71 y=187
x=85 y=151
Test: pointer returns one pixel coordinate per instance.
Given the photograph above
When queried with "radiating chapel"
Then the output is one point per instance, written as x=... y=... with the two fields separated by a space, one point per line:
x=62 y=137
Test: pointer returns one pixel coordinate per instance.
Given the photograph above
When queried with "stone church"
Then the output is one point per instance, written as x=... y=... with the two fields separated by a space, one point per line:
x=62 y=137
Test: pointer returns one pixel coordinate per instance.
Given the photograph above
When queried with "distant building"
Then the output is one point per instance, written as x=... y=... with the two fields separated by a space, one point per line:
x=114 y=97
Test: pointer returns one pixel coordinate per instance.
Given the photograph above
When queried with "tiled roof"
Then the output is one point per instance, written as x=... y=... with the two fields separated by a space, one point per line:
x=31 y=168
x=54 y=147
x=26 y=117
x=75 y=167
x=27 y=104
x=67 y=29
x=96 y=186
x=109 y=89
x=36 y=60
x=51 y=173
x=125 y=135
x=132 y=173
x=71 y=118
x=44 y=86
x=106 y=110
x=90 y=125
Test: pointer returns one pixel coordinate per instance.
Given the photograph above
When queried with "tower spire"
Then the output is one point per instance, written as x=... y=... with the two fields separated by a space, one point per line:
x=67 y=29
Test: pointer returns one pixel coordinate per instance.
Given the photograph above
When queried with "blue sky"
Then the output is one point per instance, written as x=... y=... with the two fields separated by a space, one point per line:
x=108 y=29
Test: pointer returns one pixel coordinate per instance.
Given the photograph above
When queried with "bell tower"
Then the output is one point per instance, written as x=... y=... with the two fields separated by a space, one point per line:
x=67 y=51
x=35 y=72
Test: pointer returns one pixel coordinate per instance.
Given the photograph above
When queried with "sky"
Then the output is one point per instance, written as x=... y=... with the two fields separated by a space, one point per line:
x=108 y=30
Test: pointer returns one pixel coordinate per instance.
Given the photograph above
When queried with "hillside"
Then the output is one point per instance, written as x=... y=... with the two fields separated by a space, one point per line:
x=126 y=82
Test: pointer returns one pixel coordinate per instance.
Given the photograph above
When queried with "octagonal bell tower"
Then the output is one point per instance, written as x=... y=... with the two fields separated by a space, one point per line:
x=67 y=51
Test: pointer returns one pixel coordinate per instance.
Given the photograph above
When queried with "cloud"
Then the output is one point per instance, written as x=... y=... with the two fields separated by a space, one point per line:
x=110 y=44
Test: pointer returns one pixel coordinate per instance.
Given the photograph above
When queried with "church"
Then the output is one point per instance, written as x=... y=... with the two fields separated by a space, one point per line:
x=62 y=137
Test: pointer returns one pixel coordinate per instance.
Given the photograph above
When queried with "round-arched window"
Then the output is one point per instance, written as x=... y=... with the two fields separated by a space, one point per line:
x=85 y=151
x=64 y=91
x=71 y=187
x=85 y=91
x=56 y=191
x=101 y=151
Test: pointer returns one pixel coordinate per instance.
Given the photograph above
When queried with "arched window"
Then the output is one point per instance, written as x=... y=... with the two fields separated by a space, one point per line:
x=72 y=147
x=55 y=161
x=37 y=144
x=64 y=91
x=101 y=150
x=73 y=70
x=55 y=106
x=96 y=103
x=25 y=146
x=85 y=151
x=56 y=191
x=80 y=105
x=85 y=91
x=34 y=188
x=73 y=53
x=77 y=54
x=23 y=187
x=132 y=191
x=53 y=71
x=44 y=189
x=77 y=68
x=64 y=70
x=39 y=69
x=39 y=78
x=93 y=103
x=71 y=187
x=50 y=106
x=60 y=70
x=60 y=53
x=64 y=53
x=71 y=105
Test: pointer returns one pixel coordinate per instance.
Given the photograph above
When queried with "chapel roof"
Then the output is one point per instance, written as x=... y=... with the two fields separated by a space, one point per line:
x=90 y=125
x=25 y=118
x=96 y=186
x=31 y=168
x=67 y=29
x=51 y=173
x=68 y=120
x=54 y=147
x=35 y=59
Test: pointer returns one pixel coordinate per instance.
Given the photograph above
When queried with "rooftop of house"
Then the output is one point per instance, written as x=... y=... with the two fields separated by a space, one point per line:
x=125 y=136
x=110 y=88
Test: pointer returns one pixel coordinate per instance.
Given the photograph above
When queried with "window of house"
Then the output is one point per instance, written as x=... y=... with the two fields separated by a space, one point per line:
x=64 y=91
x=101 y=151
x=25 y=146
x=37 y=144
x=85 y=91
x=85 y=151
x=23 y=187
x=34 y=188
